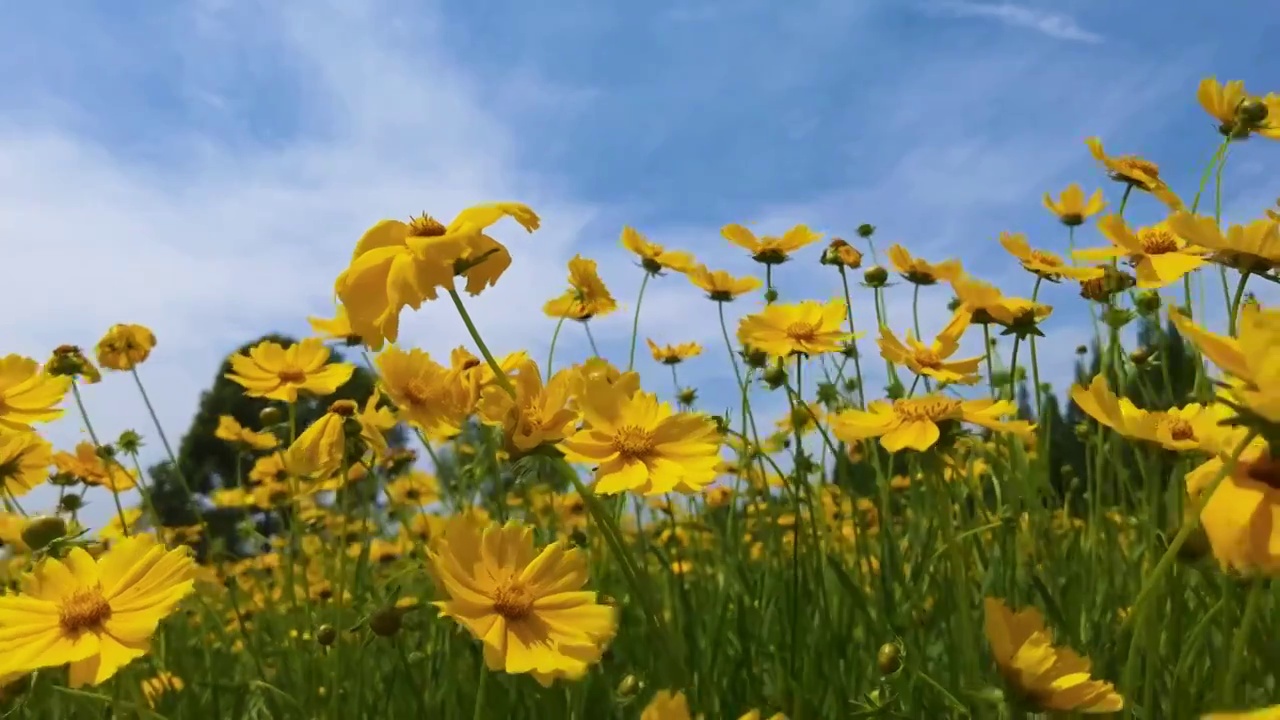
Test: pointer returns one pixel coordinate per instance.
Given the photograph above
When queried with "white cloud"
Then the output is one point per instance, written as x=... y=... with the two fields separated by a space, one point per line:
x=1054 y=25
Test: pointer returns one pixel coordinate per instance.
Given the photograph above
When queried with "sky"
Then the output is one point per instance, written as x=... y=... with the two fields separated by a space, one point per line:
x=205 y=168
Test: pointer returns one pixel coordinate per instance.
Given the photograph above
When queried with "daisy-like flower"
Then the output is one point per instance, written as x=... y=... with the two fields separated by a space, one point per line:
x=638 y=443
x=922 y=272
x=1071 y=207
x=673 y=354
x=916 y=423
x=526 y=606
x=87 y=466
x=413 y=489
x=398 y=264
x=587 y=296
x=1043 y=263
x=1248 y=248
x=154 y=688
x=807 y=327
x=538 y=414
x=667 y=705
x=1238 y=113
x=1133 y=170
x=1250 y=357
x=233 y=432
x=270 y=370
x=117 y=527
x=425 y=393
x=1158 y=255
x=326 y=445
x=770 y=250
x=124 y=347
x=1180 y=429
x=843 y=255
x=654 y=258
x=720 y=285
x=28 y=395
x=987 y=304
x=25 y=458
x=1049 y=678
x=96 y=615
x=1239 y=517
x=336 y=328
x=70 y=361
x=932 y=360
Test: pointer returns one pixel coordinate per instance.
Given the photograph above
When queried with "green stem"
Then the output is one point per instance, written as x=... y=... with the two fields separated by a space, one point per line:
x=106 y=461
x=1234 y=308
x=595 y=350
x=551 y=354
x=478 y=712
x=1240 y=644
x=733 y=356
x=857 y=362
x=915 y=309
x=499 y=375
x=168 y=449
x=635 y=324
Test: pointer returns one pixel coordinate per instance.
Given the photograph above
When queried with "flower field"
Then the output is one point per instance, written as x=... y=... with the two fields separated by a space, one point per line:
x=393 y=534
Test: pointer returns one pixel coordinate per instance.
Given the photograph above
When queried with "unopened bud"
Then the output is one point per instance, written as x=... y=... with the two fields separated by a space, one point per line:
x=628 y=688
x=1252 y=112
x=270 y=416
x=386 y=622
x=70 y=503
x=866 y=230
x=39 y=532
x=875 y=276
x=326 y=635
x=775 y=377
x=1148 y=302
x=770 y=295
x=1140 y=356
x=889 y=658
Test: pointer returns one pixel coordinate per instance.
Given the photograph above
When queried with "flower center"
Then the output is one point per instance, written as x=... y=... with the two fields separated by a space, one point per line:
x=417 y=392
x=1045 y=258
x=1157 y=242
x=1180 y=429
x=1136 y=170
x=84 y=610
x=927 y=358
x=802 y=331
x=930 y=409
x=292 y=375
x=512 y=600
x=425 y=226
x=632 y=442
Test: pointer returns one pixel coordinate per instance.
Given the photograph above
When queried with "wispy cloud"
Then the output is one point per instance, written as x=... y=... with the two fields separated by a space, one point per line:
x=1055 y=25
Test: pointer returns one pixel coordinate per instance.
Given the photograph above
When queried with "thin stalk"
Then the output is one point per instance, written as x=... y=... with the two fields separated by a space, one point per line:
x=635 y=324
x=498 y=373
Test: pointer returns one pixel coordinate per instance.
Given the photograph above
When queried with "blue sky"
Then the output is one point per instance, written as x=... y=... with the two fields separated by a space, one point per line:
x=206 y=167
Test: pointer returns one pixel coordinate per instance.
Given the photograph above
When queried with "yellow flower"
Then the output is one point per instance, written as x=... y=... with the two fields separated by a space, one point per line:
x=807 y=327
x=1239 y=517
x=124 y=347
x=1071 y=208
x=587 y=296
x=397 y=264
x=841 y=254
x=770 y=250
x=1248 y=248
x=638 y=443
x=1251 y=357
x=1049 y=677
x=673 y=354
x=416 y=488
x=527 y=607
x=70 y=361
x=115 y=528
x=327 y=444
x=919 y=271
x=667 y=705
x=155 y=687
x=88 y=467
x=25 y=458
x=914 y=423
x=97 y=615
x=270 y=370
x=268 y=468
x=11 y=527
x=231 y=431
x=653 y=257
x=720 y=285
x=336 y=328
x=425 y=393
x=1238 y=113
x=931 y=360
x=1266 y=713
x=1133 y=170
x=1159 y=257
x=1043 y=263
x=28 y=395
x=537 y=415
x=1180 y=429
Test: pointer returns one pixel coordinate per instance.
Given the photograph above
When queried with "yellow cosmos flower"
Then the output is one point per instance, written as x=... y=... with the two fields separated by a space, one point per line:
x=425 y=393
x=97 y=615
x=1266 y=713
x=599 y=369
x=931 y=360
x=667 y=705
x=1238 y=113
x=807 y=327
x=124 y=347
x=915 y=423
x=1251 y=357
x=919 y=271
x=25 y=458
x=115 y=528
x=1043 y=263
x=1180 y=429
x=397 y=264
x=70 y=361
x=638 y=443
x=1048 y=677
x=154 y=688
x=720 y=285
x=1133 y=170
x=27 y=395
x=327 y=444
x=89 y=468
x=987 y=304
x=1239 y=517
x=526 y=606
x=843 y=255
x=770 y=250
x=587 y=296
x=653 y=257
x=336 y=328
x=1159 y=257
x=537 y=415
x=673 y=354
x=270 y=370
x=1248 y=248
x=414 y=489
x=233 y=432
x=1071 y=208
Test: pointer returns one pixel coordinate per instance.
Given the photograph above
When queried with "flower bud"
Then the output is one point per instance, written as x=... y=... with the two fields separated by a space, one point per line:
x=1252 y=112
x=1140 y=356
x=775 y=377
x=386 y=622
x=326 y=635
x=628 y=688
x=270 y=416
x=39 y=532
x=866 y=230
x=755 y=358
x=770 y=295
x=1082 y=350
x=70 y=503
x=875 y=276
x=1147 y=302
x=889 y=658
x=687 y=396
x=130 y=442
